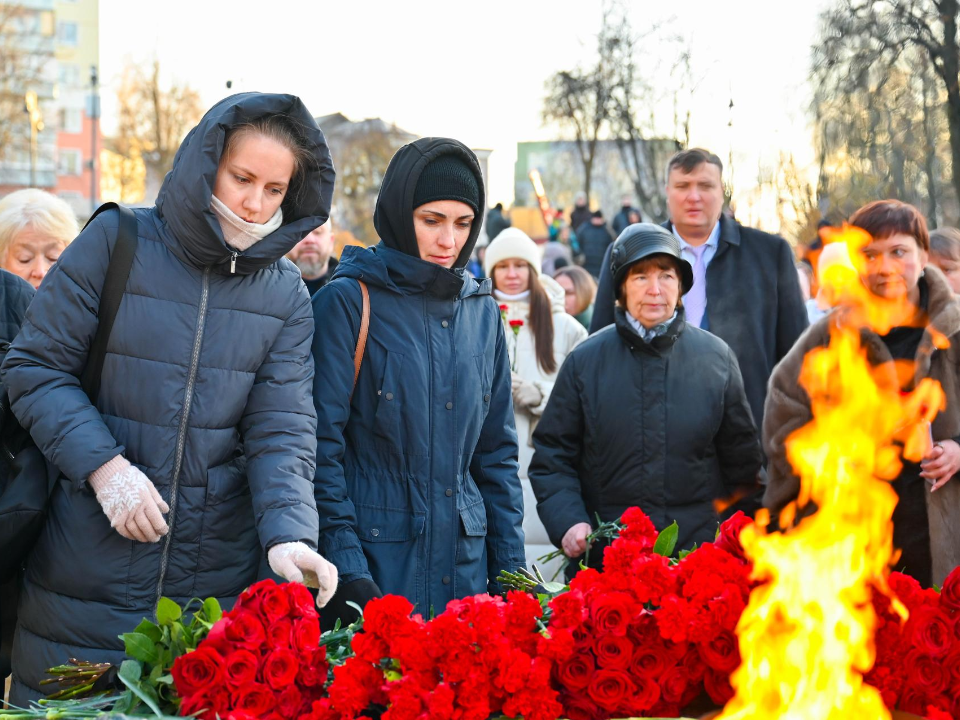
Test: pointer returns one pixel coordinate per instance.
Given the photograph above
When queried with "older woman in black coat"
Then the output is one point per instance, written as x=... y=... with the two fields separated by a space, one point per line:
x=648 y=412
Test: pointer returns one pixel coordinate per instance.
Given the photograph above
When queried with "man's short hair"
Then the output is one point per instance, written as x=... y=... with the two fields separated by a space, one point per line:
x=689 y=160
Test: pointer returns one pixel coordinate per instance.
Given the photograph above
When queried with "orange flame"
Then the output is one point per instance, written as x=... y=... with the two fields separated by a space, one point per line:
x=806 y=637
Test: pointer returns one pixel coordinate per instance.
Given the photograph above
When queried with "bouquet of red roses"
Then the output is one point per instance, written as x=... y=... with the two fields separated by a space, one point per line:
x=262 y=659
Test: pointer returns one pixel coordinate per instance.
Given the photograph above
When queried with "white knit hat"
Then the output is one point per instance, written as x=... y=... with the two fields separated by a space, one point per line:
x=512 y=243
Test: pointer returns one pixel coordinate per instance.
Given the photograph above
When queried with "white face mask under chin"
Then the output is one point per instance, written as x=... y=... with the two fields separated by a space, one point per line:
x=237 y=232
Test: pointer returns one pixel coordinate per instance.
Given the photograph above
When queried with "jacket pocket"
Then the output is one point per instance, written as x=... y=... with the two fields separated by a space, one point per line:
x=386 y=421
x=227 y=481
x=383 y=525
x=392 y=542
x=484 y=374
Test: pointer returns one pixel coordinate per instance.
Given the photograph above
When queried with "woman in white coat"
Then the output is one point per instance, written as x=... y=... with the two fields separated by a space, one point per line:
x=540 y=335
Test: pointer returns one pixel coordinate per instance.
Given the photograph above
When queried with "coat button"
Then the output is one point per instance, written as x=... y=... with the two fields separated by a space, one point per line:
x=486 y=398
x=445 y=324
x=375 y=532
x=389 y=396
x=448 y=492
x=449 y=406
x=446 y=579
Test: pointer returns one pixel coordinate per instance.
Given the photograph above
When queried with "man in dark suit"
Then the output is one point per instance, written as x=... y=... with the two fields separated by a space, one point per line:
x=749 y=293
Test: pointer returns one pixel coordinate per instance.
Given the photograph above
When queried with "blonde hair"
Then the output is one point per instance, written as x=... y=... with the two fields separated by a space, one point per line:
x=39 y=211
x=584 y=286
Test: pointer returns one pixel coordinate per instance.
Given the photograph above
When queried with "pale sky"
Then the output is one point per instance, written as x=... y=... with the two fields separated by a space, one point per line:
x=475 y=71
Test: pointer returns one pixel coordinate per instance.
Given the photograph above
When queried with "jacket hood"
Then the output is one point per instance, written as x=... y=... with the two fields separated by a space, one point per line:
x=393 y=217
x=184 y=199
x=400 y=273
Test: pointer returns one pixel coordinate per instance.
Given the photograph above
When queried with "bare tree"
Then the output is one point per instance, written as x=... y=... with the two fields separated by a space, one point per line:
x=578 y=100
x=895 y=65
x=153 y=119
x=22 y=64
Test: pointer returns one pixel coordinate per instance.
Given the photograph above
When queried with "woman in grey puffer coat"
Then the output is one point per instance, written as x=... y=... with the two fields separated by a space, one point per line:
x=204 y=415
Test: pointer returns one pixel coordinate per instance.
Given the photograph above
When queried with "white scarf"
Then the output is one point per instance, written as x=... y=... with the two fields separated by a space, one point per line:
x=512 y=298
x=237 y=232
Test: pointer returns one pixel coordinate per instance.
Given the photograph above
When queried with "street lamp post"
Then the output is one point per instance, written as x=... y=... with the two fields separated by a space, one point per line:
x=94 y=117
x=31 y=106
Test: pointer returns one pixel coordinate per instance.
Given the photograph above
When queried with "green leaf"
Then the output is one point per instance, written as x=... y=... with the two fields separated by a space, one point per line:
x=211 y=610
x=140 y=647
x=554 y=587
x=130 y=671
x=151 y=630
x=667 y=540
x=168 y=612
x=684 y=553
x=132 y=680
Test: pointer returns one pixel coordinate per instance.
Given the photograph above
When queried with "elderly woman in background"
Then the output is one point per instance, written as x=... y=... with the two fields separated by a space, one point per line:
x=579 y=289
x=648 y=412
x=945 y=254
x=926 y=521
x=35 y=227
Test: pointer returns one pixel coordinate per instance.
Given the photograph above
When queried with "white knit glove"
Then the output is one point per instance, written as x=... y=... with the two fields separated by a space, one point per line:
x=129 y=500
x=525 y=394
x=295 y=562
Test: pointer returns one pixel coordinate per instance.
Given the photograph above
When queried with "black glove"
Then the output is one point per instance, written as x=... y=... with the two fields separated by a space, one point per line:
x=358 y=591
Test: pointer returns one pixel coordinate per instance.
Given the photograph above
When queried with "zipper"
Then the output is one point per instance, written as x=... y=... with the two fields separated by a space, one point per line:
x=233 y=262
x=182 y=431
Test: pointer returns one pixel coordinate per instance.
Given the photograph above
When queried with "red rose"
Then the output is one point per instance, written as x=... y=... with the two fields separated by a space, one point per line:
x=306 y=633
x=255 y=698
x=610 y=689
x=613 y=652
x=612 y=612
x=241 y=668
x=313 y=668
x=279 y=633
x=290 y=701
x=930 y=631
x=729 y=538
x=950 y=592
x=906 y=588
x=240 y=715
x=649 y=661
x=197 y=671
x=301 y=601
x=274 y=604
x=579 y=707
x=888 y=682
x=280 y=668
x=217 y=637
x=646 y=695
x=721 y=653
x=926 y=674
x=213 y=701
x=575 y=674
x=717 y=685
x=673 y=684
x=246 y=631
x=251 y=598
x=692 y=665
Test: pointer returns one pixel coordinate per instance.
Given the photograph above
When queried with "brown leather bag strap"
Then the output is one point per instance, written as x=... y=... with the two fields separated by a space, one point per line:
x=364 y=329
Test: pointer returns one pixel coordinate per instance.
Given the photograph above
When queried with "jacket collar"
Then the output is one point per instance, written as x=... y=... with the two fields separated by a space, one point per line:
x=729 y=231
x=660 y=344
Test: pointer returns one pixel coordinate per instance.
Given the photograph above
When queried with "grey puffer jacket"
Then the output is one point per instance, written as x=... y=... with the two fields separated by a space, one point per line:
x=206 y=388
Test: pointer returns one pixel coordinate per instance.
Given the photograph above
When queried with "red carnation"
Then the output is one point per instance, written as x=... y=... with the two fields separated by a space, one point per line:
x=673 y=618
x=254 y=698
x=280 y=668
x=516 y=324
x=610 y=689
x=638 y=527
x=241 y=667
x=654 y=578
x=198 y=670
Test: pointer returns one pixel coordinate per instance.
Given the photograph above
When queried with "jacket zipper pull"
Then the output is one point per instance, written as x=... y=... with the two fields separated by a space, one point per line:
x=233 y=263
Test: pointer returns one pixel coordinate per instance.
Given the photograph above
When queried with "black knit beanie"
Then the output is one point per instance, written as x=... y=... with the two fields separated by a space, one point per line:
x=447 y=178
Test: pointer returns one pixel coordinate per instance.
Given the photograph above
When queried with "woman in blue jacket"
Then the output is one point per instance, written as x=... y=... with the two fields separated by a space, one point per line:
x=416 y=483
x=198 y=454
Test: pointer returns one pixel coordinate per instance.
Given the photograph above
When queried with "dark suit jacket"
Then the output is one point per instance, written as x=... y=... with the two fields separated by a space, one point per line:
x=754 y=303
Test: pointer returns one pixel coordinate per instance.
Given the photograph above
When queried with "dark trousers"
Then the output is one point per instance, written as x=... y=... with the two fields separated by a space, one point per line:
x=9 y=595
x=911 y=528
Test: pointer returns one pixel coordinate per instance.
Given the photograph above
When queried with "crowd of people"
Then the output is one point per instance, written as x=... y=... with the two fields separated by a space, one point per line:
x=427 y=412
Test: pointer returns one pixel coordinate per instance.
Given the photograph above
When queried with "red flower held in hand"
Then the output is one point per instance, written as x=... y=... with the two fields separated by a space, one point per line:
x=515 y=325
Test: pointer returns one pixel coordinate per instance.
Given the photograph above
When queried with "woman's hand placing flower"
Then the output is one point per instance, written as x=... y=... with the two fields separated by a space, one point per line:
x=941 y=464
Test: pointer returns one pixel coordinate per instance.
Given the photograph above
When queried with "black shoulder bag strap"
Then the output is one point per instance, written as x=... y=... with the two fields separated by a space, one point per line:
x=121 y=260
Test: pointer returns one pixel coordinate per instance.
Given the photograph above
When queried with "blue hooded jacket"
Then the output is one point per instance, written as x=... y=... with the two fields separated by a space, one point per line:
x=416 y=483
x=205 y=388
